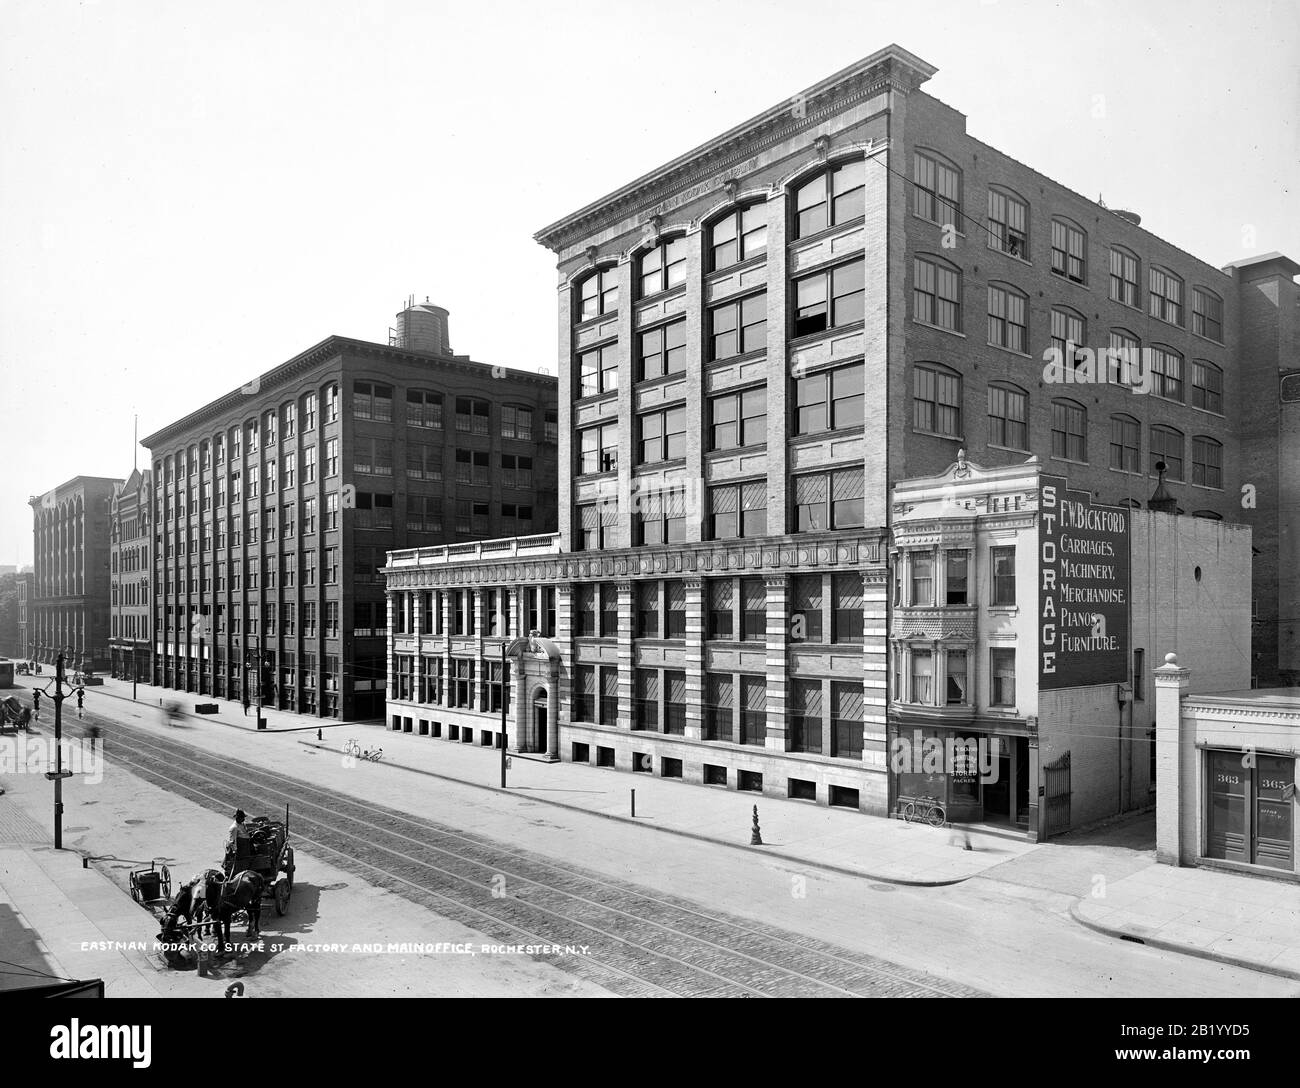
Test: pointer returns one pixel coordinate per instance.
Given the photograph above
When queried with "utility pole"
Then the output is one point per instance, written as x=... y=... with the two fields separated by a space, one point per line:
x=58 y=774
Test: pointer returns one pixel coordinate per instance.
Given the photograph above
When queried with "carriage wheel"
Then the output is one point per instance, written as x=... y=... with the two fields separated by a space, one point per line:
x=282 y=891
x=289 y=866
x=135 y=887
x=166 y=883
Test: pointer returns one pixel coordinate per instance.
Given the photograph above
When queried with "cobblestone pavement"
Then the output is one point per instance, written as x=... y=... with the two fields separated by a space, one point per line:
x=633 y=941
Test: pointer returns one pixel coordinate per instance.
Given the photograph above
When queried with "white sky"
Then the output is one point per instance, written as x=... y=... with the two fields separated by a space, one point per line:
x=192 y=193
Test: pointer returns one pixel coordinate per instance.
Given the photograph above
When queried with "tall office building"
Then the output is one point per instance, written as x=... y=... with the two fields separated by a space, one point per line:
x=274 y=505
x=68 y=611
x=131 y=569
x=757 y=340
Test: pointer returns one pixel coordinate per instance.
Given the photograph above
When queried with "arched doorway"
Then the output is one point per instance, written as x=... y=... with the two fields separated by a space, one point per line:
x=540 y=723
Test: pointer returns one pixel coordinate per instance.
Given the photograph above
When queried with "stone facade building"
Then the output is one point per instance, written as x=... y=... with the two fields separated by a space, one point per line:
x=760 y=338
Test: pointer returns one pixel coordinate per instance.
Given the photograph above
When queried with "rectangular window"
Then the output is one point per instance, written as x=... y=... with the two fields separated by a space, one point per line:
x=719 y=601
x=922 y=677
x=371 y=401
x=472 y=414
x=598 y=371
x=956 y=686
x=956 y=576
x=832 y=500
x=1002 y=670
x=805 y=716
x=608 y=710
x=828 y=300
x=662 y=435
x=662 y=352
x=645 y=702
x=584 y=611
x=332 y=457
x=423 y=409
x=584 y=693
x=806 y=608
x=674 y=609
x=753 y=710
x=847 y=621
x=660 y=517
x=830 y=400
x=647 y=610
x=598 y=449
x=719 y=706
x=423 y=462
x=753 y=610
x=596 y=525
x=736 y=328
x=847 y=717
x=1002 y=570
x=922 y=579
x=1167 y=374
x=738 y=510
x=738 y=419
x=517 y=423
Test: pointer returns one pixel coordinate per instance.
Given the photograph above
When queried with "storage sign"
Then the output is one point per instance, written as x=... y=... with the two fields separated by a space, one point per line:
x=1083 y=589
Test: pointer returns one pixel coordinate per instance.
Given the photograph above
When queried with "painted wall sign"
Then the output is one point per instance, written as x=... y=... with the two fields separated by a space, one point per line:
x=1083 y=588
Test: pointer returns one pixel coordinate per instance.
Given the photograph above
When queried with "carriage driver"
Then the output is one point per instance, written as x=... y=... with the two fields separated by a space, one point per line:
x=238 y=831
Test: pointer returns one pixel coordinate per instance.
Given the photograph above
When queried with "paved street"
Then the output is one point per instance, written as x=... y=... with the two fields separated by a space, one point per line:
x=658 y=913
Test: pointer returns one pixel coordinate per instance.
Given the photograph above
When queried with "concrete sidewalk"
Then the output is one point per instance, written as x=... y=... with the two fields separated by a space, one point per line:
x=58 y=919
x=1243 y=920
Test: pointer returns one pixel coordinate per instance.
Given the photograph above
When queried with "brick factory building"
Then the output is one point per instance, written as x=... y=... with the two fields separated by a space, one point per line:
x=68 y=610
x=274 y=507
x=131 y=600
x=757 y=340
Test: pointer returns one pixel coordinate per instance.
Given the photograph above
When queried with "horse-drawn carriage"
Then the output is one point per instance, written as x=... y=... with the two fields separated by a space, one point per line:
x=13 y=715
x=198 y=918
x=267 y=852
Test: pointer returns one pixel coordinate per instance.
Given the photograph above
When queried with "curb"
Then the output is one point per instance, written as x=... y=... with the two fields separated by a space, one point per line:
x=1175 y=946
x=825 y=866
x=326 y=723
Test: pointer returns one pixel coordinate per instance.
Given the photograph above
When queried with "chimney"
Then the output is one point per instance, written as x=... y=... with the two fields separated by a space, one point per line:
x=422 y=327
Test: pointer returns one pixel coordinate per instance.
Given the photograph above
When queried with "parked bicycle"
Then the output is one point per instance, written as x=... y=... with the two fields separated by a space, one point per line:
x=924 y=810
x=354 y=749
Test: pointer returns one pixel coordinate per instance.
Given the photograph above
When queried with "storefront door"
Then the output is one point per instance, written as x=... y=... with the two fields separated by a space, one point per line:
x=1251 y=809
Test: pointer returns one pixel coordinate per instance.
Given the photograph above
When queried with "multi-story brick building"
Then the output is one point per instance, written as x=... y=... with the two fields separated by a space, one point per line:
x=25 y=582
x=275 y=504
x=131 y=593
x=69 y=609
x=756 y=340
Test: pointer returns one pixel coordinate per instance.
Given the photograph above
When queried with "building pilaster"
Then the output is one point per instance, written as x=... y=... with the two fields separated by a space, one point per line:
x=777 y=637
x=694 y=659
x=625 y=658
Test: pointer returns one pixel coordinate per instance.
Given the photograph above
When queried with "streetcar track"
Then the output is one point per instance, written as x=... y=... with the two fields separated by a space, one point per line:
x=870 y=975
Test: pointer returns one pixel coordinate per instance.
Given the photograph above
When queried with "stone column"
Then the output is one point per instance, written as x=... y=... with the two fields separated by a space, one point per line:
x=626 y=402
x=1177 y=824
x=518 y=701
x=562 y=682
x=875 y=679
x=625 y=658
x=777 y=637
x=447 y=669
x=696 y=497
x=553 y=710
x=694 y=658
x=390 y=658
x=481 y=700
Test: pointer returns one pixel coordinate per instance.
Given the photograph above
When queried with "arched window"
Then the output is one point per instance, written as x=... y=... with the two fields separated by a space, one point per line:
x=936 y=189
x=1008 y=416
x=1124 y=363
x=331 y=394
x=1207 y=314
x=738 y=236
x=270 y=427
x=598 y=293
x=288 y=419
x=424 y=409
x=1069 y=250
x=1008 y=317
x=936 y=292
x=830 y=198
x=1125 y=444
x=1165 y=298
x=662 y=267
x=308 y=413
x=1069 y=430
x=936 y=400
x=1124 y=270
x=1207 y=386
x=1008 y=228
x=1167 y=446
x=1207 y=461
